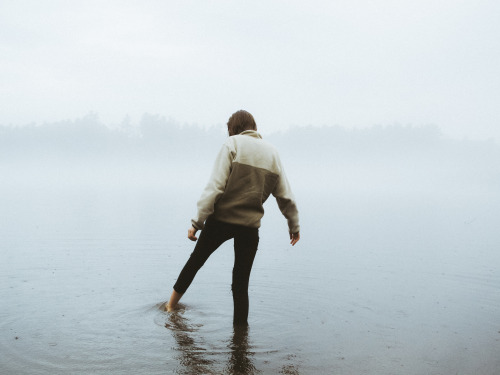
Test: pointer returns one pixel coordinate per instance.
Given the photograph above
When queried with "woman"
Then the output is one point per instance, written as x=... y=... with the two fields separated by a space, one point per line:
x=247 y=170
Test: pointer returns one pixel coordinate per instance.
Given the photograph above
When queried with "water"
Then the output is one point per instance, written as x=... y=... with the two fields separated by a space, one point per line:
x=379 y=284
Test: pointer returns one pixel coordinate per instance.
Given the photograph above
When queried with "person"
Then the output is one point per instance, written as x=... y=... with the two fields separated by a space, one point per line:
x=247 y=171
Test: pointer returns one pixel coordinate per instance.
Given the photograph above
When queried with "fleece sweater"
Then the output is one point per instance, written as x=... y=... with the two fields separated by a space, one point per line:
x=247 y=170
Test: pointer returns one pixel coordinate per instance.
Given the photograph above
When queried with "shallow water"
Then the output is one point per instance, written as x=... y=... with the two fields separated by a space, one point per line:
x=379 y=284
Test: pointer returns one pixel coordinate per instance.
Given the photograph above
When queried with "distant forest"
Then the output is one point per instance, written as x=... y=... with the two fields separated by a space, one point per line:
x=88 y=138
x=158 y=142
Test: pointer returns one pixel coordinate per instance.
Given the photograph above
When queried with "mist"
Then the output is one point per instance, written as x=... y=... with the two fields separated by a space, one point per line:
x=391 y=159
x=396 y=270
x=398 y=250
x=381 y=179
x=403 y=174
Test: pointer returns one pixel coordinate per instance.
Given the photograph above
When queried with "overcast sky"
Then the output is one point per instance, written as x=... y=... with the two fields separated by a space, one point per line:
x=349 y=63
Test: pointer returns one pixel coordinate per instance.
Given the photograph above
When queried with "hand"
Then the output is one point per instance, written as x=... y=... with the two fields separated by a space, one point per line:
x=294 y=238
x=192 y=233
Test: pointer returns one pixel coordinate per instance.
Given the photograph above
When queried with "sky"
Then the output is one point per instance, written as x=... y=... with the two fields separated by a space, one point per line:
x=352 y=63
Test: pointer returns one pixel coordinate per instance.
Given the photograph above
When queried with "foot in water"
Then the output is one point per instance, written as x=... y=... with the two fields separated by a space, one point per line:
x=168 y=308
x=171 y=305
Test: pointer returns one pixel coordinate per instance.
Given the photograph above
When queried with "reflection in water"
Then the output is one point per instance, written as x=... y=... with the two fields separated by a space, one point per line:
x=193 y=356
x=240 y=361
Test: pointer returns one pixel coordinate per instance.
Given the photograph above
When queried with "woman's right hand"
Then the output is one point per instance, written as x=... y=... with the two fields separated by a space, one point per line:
x=192 y=233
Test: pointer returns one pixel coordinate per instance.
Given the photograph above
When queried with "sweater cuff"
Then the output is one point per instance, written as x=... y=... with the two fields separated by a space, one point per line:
x=197 y=225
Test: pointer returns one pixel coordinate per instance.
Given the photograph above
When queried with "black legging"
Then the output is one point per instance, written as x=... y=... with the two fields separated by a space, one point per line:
x=214 y=234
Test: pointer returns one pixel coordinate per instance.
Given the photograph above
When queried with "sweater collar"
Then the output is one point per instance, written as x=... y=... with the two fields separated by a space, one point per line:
x=251 y=133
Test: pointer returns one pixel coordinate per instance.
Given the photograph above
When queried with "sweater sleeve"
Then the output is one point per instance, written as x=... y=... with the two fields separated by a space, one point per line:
x=286 y=202
x=215 y=187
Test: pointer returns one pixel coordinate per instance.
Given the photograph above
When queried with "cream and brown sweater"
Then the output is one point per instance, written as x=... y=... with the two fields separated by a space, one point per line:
x=247 y=170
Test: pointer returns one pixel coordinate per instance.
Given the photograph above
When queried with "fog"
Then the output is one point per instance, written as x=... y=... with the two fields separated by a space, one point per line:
x=400 y=176
x=396 y=267
x=390 y=159
x=351 y=63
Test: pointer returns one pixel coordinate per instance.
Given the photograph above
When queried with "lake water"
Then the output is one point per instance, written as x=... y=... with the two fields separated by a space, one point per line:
x=380 y=283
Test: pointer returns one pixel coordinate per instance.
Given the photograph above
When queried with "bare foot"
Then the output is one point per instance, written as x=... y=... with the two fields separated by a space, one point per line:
x=166 y=307
x=172 y=302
